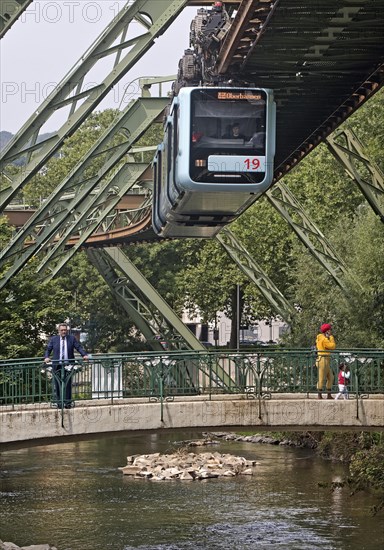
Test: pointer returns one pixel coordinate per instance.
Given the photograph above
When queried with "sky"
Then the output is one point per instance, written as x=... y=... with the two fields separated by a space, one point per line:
x=52 y=35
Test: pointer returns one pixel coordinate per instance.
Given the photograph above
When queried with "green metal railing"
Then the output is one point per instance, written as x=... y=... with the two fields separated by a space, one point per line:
x=162 y=376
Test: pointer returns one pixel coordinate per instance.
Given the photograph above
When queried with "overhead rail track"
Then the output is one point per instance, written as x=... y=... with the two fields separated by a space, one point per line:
x=322 y=59
x=323 y=25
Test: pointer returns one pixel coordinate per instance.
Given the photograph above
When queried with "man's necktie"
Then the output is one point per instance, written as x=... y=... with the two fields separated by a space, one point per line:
x=62 y=349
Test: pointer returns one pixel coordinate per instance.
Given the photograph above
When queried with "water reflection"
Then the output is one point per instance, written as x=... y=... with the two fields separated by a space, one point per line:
x=73 y=495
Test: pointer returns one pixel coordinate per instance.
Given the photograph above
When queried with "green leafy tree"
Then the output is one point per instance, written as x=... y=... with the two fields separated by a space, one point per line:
x=199 y=274
x=29 y=312
x=357 y=314
x=83 y=296
x=367 y=122
x=268 y=239
x=92 y=307
x=367 y=472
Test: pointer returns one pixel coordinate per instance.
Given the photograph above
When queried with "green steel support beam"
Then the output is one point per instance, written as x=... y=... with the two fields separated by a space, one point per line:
x=349 y=151
x=10 y=11
x=90 y=217
x=155 y=16
x=255 y=273
x=150 y=313
x=146 y=84
x=143 y=303
x=126 y=297
x=57 y=214
x=287 y=205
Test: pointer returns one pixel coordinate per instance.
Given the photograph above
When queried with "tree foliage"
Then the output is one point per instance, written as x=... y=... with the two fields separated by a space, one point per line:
x=367 y=470
x=29 y=312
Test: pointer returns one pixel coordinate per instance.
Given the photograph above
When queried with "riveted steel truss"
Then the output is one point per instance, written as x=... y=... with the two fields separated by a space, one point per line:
x=349 y=151
x=322 y=59
x=88 y=194
x=90 y=218
x=10 y=11
x=150 y=313
x=72 y=93
x=255 y=273
x=147 y=309
x=309 y=87
x=310 y=235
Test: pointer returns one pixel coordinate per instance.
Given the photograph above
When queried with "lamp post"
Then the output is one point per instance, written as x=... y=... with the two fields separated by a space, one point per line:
x=216 y=333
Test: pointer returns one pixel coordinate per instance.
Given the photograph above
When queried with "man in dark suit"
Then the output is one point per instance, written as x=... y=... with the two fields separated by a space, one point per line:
x=63 y=346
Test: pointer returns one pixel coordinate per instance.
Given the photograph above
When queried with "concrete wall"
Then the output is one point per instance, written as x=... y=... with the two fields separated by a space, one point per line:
x=40 y=421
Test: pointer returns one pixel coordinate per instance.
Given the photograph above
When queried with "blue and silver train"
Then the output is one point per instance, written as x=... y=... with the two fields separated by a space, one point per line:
x=215 y=160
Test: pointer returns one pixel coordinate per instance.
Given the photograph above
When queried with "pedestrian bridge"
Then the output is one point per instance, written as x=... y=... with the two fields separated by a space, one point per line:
x=36 y=422
x=270 y=389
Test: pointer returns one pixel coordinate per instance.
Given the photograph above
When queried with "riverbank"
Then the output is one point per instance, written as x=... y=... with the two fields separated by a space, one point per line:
x=362 y=452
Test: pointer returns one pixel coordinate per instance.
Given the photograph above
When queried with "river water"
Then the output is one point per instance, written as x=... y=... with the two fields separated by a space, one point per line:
x=73 y=496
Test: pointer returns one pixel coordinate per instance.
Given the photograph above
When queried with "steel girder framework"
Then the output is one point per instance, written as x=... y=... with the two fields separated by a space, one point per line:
x=255 y=273
x=290 y=209
x=84 y=196
x=322 y=59
x=10 y=11
x=349 y=151
x=92 y=218
x=147 y=309
x=280 y=197
x=154 y=16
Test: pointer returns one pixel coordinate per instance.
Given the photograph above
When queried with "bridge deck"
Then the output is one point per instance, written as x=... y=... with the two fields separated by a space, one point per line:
x=37 y=422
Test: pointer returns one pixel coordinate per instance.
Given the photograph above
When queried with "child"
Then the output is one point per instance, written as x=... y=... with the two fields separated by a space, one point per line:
x=343 y=379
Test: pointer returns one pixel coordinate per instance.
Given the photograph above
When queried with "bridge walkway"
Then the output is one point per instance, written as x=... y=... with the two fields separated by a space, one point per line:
x=270 y=388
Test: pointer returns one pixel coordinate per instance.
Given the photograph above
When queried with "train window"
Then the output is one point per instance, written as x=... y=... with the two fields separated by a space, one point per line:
x=228 y=131
x=157 y=191
x=175 y=145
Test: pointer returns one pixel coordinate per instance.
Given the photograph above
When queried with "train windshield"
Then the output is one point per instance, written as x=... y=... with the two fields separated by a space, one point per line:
x=228 y=135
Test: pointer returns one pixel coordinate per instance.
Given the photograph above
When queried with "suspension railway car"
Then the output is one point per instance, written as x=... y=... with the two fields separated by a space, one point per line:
x=215 y=160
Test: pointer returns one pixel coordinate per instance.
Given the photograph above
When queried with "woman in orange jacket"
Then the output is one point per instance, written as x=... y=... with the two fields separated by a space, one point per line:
x=325 y=342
